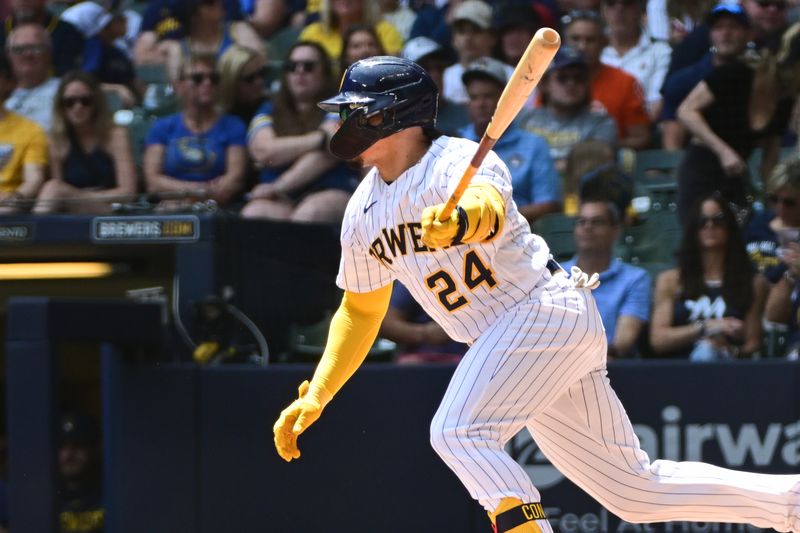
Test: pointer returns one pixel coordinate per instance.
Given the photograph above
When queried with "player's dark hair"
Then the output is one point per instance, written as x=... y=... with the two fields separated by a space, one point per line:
x=431 y=134
x=737 y=281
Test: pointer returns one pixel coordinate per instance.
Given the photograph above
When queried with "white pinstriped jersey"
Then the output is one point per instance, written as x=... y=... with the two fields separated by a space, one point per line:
x=464 y=288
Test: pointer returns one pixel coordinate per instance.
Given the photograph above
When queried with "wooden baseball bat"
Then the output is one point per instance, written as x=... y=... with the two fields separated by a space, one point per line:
x=526 y=76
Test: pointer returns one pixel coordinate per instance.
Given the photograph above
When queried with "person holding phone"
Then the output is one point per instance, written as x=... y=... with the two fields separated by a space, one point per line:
x=773 y=225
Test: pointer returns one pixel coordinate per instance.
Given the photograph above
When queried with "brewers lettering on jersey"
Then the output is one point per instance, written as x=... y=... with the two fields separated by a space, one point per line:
x=537 y=356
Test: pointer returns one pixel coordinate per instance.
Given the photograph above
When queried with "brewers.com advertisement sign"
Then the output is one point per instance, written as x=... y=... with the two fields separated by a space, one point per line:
x=174 y=228
x=752 y=425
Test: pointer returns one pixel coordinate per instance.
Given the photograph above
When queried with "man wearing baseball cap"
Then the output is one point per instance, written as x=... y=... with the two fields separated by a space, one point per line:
x=473 y=38
x=536 y=184
x=82 y=509
x=566 y=118
x=435 y=58
x=729 y=28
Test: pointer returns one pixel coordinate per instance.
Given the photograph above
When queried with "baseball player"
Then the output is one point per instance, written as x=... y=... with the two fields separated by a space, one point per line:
x=537 y=356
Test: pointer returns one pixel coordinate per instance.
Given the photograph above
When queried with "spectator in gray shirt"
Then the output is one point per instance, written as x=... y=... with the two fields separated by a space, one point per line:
x=29 y=49
x=567 y=117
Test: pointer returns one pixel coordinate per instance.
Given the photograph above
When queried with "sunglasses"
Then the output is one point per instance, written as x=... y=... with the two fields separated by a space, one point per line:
x=303 y=66
x=782 y=200
x=717 y=220
x=258 y=75
x=20 y=49
x=777 y=4
x=70 y=101
x=199 y=77
x=580 y=14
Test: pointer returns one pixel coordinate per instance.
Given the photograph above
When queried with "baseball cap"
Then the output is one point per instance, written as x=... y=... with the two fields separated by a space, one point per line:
x=567 y=56
x=728 y=10
x=514 y=15
x=475 y=11
x=89 y=17
x=485 y=68
x=419 y=48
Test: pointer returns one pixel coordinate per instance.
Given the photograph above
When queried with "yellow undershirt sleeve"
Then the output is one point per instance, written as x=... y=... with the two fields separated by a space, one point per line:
x=353 y=330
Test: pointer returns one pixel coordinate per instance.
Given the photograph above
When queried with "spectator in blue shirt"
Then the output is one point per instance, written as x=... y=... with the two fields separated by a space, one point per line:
x=623 y=297
x=537 y=186
x=102 y=56
x=161 y=21
x=198 y=151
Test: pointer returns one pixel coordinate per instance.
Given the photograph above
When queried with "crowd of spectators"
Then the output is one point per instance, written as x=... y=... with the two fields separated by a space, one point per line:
x=226 y=93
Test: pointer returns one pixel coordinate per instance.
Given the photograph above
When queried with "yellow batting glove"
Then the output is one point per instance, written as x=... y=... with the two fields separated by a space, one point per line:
x=437 y=234
x=295 y=419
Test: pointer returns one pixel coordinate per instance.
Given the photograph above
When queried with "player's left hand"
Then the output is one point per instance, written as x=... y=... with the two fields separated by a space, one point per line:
x=437 y=234
x=583 y=280
x=294 y=420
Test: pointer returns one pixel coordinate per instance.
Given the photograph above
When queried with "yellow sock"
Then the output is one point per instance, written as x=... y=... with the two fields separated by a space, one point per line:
x=510 y=503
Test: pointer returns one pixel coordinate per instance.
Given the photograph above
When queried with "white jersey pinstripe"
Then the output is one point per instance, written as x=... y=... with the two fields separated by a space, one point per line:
x=537 y=361
x=380 y=242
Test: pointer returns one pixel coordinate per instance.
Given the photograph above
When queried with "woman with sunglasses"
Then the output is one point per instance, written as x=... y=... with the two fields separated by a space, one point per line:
x=91 y=161
x=198 y=152
x=781 y=250
x=769 y=224
x=288 y=140
x=242 y=88
x=710 y=306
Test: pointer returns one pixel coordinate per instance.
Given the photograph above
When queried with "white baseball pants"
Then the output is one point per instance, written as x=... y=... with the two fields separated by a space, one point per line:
x=542 y=366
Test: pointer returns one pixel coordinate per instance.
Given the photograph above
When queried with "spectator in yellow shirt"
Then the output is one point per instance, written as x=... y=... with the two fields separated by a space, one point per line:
x=23 y=151
x=338 y=15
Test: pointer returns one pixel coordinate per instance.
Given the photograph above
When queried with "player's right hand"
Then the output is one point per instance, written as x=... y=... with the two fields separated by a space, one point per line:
x=294 y=420
x=436 y=234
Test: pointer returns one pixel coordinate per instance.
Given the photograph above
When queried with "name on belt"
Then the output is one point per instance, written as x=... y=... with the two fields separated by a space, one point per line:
x=167 y=228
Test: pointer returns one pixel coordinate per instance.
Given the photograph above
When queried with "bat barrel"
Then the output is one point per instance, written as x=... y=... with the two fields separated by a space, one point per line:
x=549 y=37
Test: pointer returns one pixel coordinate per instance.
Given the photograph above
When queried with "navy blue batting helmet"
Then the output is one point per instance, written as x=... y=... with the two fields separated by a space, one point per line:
x=380 y=96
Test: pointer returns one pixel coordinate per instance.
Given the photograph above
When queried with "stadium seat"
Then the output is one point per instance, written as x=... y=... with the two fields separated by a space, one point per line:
x=277 y=48
x=653 y=241
x=138 y=127
x=151 y=73
x=655 y=173
x=558 y=230
x=113 y=101
x=307 y=342
x=776 y=338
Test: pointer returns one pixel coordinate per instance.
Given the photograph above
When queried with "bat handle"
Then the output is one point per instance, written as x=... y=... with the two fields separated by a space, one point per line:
x=486 y=144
